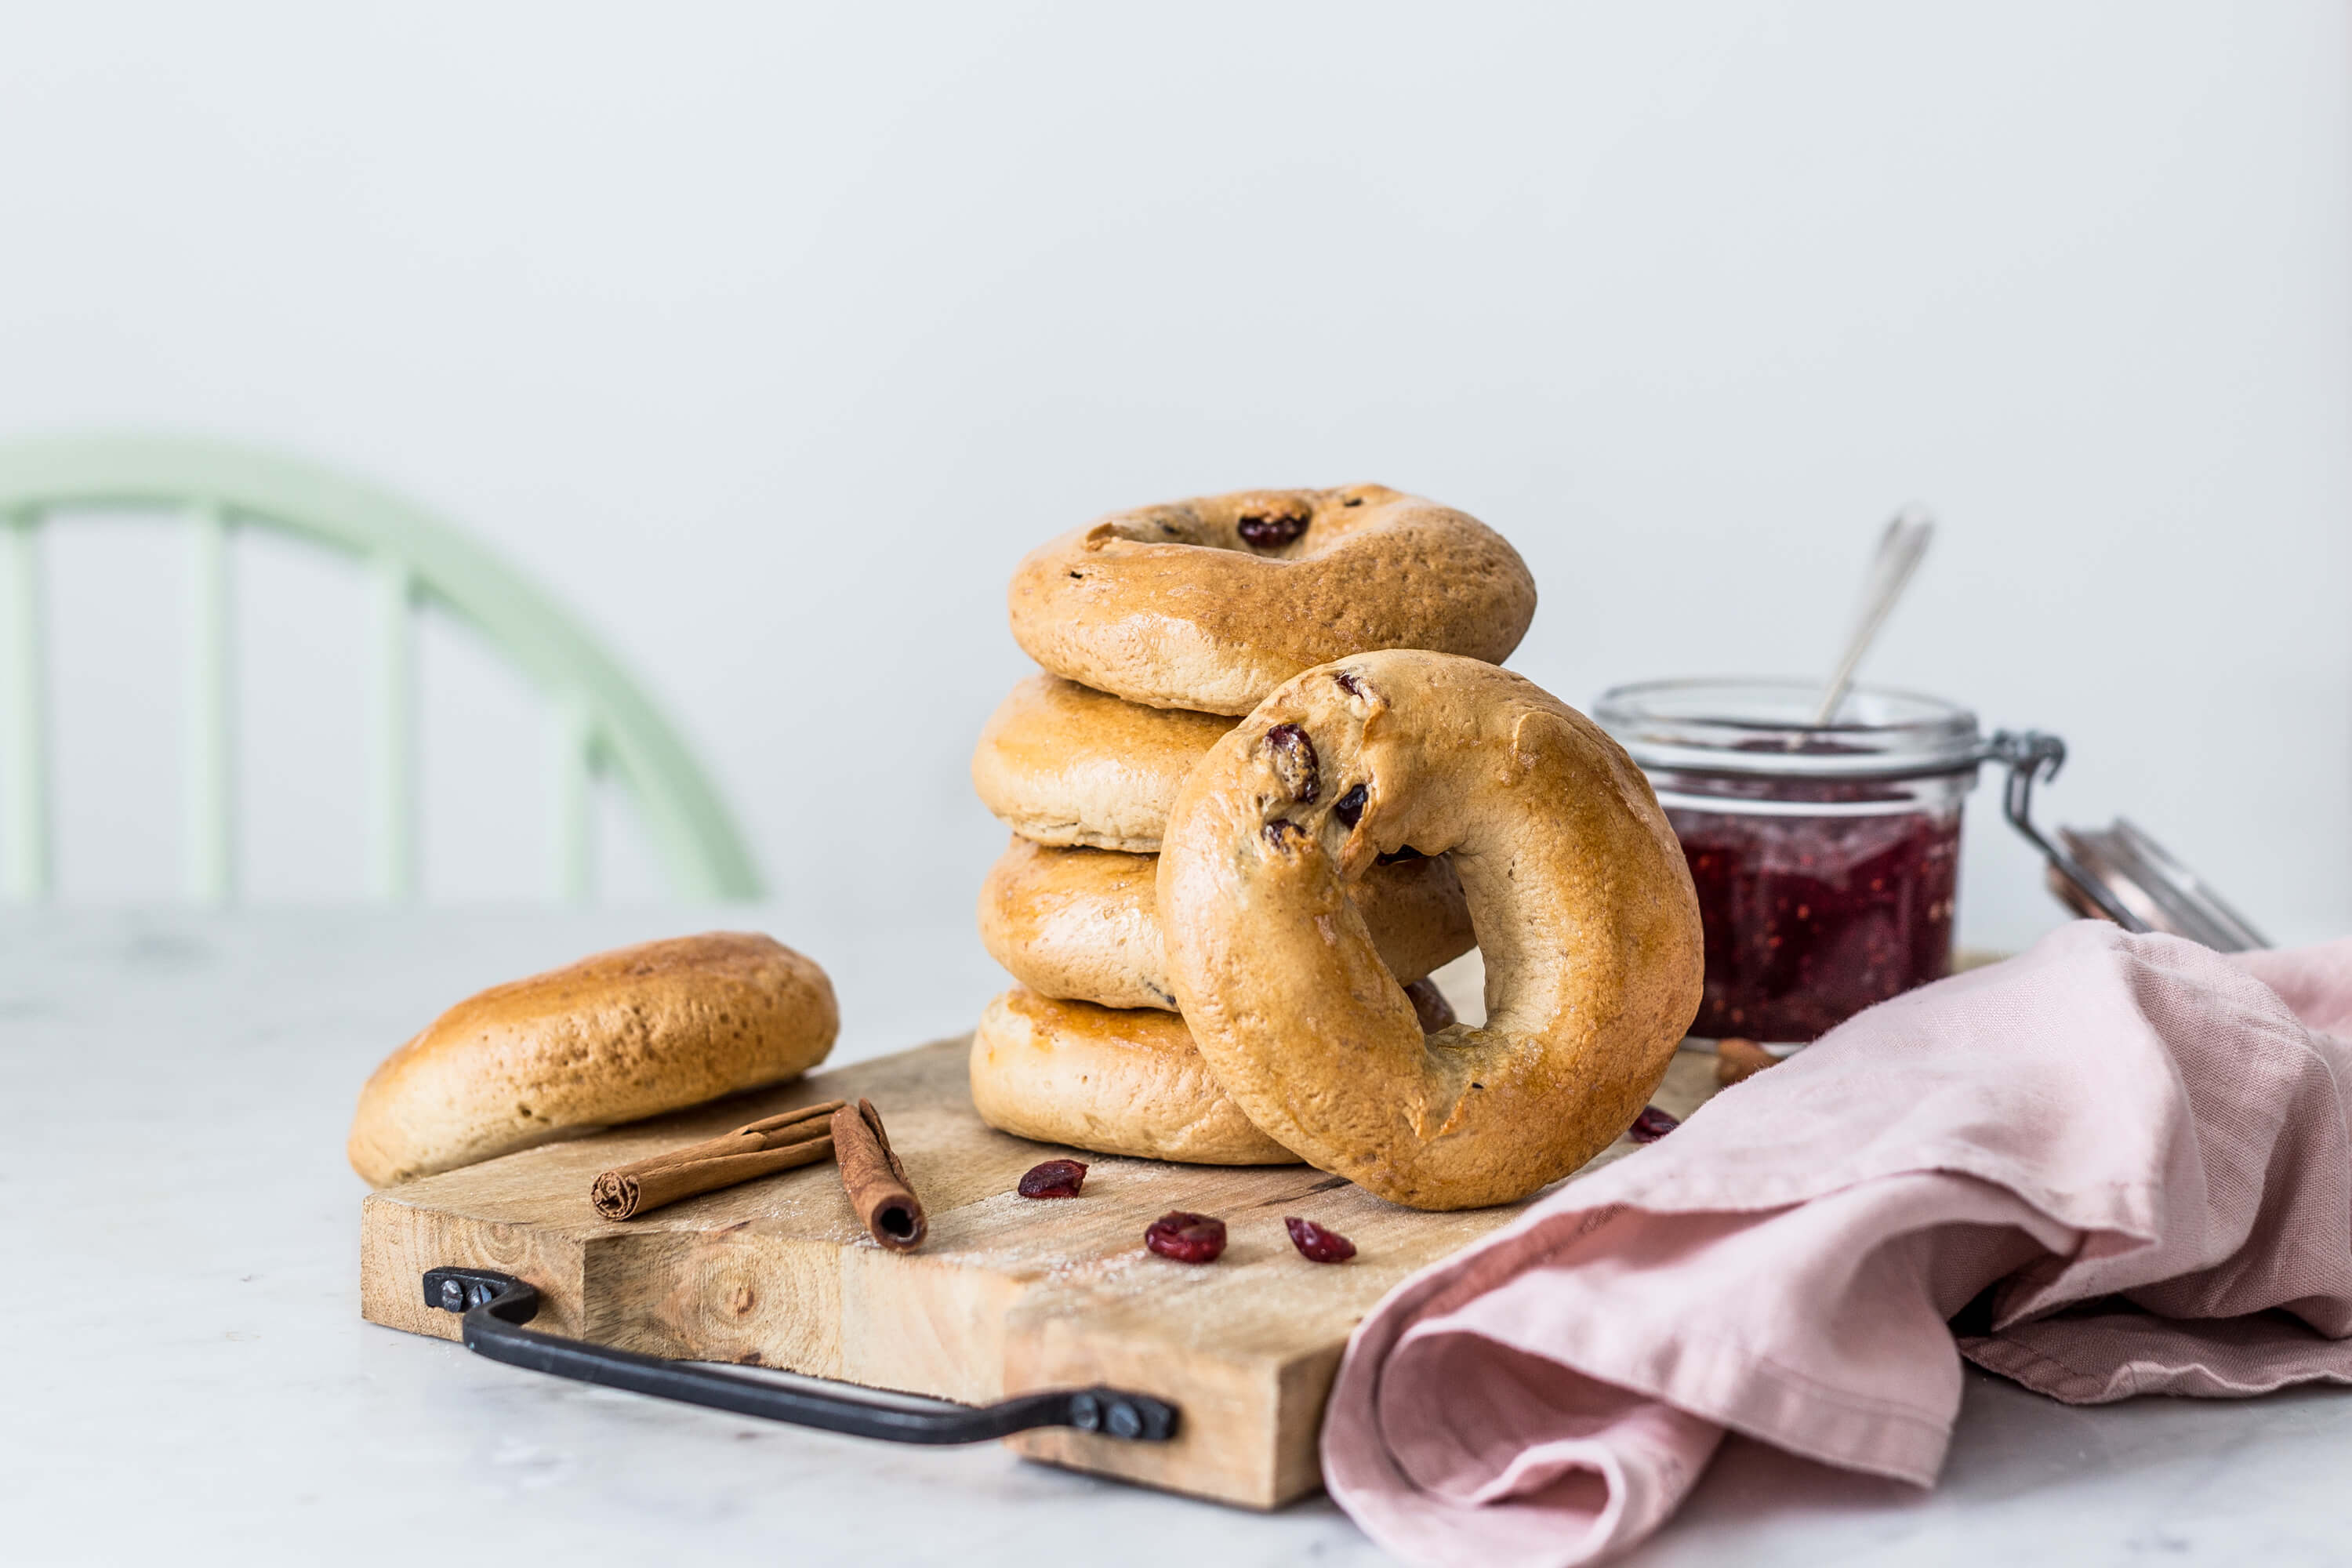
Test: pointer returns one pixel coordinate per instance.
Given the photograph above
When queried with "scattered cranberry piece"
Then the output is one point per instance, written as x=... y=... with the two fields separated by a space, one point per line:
x=1317 y=1245
x=1652 y=1125
x=1186 y=1238
x=1054 y=1179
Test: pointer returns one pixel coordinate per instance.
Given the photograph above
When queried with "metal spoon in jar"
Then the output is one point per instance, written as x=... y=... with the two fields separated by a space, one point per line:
x=1900 y=550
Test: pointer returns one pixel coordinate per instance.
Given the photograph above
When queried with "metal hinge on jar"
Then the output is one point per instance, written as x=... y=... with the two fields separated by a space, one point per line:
x=2118 y=873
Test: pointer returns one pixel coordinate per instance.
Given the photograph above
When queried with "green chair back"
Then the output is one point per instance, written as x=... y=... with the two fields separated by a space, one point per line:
x=605 y=726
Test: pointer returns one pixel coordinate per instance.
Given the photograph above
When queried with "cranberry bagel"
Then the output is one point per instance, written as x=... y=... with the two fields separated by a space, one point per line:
x=1084 y=925
x=1584 y=904
x=1118 y=1082
x=1115 y=1081
x=1062 y=764
x=1210 y=603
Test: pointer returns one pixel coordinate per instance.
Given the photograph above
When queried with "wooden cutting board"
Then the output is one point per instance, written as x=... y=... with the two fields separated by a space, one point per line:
x=1007 y=1296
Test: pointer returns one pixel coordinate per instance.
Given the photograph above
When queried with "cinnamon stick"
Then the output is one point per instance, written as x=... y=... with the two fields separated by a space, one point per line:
x=800 y=1137
x=874 y=1181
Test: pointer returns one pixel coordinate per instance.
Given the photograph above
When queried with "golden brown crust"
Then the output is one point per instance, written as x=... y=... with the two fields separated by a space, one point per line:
x=1063 y=765
x=614 y=1038
x=1111 y=1080
x=1586 y=917
x=1084 y=925
x=1174 y=607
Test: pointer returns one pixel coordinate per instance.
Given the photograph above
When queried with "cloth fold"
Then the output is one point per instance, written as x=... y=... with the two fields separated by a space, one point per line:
x=2122 y=1162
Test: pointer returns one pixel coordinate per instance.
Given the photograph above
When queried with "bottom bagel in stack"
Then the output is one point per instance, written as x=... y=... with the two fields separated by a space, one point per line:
x=1120 y=1080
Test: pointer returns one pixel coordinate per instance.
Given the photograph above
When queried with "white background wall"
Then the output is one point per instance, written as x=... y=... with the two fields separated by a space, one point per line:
x=770 y=340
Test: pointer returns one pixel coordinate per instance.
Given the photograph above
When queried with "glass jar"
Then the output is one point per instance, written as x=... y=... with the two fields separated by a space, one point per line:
x=1826 y=856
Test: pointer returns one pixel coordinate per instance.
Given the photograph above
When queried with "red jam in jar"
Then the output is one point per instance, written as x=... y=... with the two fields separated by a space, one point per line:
x=1826 y=858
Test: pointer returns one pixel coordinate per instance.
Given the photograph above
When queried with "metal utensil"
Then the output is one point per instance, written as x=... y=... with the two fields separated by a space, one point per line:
x=1899 y=552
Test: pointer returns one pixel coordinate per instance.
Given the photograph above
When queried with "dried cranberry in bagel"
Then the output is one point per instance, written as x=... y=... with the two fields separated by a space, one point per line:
x=1294 y=761
x=1187 y=1237
x=1270 y=533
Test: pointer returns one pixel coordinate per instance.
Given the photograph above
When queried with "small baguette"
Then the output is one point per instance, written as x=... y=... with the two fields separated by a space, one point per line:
x=619 y=1035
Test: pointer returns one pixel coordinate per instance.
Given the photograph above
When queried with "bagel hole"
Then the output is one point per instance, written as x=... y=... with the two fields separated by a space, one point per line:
x=1463 y=983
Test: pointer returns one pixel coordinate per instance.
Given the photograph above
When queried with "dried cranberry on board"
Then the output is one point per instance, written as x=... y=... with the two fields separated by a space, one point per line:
x=1186 y=1238
x=1054 y=1179
x=1652 y=1125
x=1317 y=1245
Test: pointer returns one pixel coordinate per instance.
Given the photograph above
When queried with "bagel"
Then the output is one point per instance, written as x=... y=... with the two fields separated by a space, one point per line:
x=1117 y=1082
x=1084 y=925
x=1210 y=604
x=1585 y=914
x=616 y=1036
x=1062 y=764
x=1114 y=1080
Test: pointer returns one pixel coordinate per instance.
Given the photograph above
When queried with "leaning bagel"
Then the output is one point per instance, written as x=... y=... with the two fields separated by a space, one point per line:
x=1112 y=1080
x=1210 y=604
x=1062 y=764
x=1585 y=907
x=1084 y=925
x=623 y=1035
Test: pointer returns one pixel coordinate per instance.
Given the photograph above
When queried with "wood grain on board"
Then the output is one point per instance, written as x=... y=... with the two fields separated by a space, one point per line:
x=1008 y=1295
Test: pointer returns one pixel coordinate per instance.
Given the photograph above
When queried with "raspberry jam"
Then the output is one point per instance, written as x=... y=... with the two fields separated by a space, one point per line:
x=1812 y=919
x=1826 y=858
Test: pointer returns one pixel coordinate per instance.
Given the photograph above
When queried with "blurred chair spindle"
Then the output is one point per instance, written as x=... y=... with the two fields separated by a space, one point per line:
x=601 y=723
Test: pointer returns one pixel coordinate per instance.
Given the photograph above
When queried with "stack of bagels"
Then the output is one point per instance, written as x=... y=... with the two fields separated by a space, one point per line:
x=1167 y=641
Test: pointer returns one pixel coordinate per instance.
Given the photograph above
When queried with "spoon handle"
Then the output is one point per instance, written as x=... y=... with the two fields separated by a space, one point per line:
x=1899 y=552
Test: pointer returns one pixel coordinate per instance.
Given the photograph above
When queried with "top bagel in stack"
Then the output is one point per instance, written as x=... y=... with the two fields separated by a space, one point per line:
x=1210 y=604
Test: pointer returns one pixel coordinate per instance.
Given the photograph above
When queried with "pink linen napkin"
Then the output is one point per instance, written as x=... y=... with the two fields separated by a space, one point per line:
x=2127 y=1155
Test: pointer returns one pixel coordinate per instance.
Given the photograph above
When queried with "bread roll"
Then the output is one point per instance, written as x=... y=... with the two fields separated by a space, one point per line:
x=614 y=1038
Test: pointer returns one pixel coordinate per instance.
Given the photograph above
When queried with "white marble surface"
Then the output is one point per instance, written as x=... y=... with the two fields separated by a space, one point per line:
x=188 y=1378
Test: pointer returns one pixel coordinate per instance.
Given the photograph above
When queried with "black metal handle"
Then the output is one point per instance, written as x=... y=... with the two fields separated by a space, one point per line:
x=496 y=1306
x=2032 y=755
